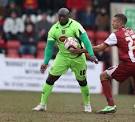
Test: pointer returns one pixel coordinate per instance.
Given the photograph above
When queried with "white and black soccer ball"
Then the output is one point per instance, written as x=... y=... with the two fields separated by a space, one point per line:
x=71 y=42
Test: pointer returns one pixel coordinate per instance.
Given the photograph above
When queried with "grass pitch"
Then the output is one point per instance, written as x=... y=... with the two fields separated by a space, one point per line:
x=16 y=107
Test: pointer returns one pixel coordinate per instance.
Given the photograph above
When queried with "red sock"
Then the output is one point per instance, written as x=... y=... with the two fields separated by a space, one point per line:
x=107 y=92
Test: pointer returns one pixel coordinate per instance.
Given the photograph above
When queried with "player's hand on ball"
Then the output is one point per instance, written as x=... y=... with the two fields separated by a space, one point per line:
x=74 y=50
x=77 y=50
x=93 y=59
x=43 y=68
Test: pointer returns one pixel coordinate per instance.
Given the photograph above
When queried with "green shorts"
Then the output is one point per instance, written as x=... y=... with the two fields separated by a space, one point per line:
x=77 y=65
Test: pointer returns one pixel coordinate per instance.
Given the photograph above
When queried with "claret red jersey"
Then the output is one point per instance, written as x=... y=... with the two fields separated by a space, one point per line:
x=124 y=39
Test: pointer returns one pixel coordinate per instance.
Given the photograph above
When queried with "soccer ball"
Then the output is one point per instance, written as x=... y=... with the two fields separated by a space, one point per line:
x=71 y=42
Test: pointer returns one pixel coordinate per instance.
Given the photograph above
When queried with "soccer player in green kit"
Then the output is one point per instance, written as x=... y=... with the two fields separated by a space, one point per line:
x=66 y=27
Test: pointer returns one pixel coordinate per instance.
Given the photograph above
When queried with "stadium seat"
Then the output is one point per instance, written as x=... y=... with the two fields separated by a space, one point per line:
x=40 y=54
x=101 y=36
x=12 y=53
x=2 y=43
x=91 y=35
x=40 y=49
x=13 y=44
x=12 y=48
x=41 y=45
x=29 y=56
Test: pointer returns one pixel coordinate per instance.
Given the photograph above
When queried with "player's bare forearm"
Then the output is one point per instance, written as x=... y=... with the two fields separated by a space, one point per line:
x=100 y=47
x=80 y=51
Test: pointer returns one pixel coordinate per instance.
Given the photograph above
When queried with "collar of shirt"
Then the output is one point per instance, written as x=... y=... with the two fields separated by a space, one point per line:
x=65 y=26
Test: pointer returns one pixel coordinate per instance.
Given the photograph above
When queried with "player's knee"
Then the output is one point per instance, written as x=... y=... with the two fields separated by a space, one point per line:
x=104 y=76
x=50 y=82
x=51 y=79
x=101 y=76
x=82 y=83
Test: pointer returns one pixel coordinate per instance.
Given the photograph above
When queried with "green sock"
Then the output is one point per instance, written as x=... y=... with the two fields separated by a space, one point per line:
x=46 y=91
x=85 y=94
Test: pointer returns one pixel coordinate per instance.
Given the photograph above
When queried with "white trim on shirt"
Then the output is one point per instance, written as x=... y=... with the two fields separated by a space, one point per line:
x=111 y=40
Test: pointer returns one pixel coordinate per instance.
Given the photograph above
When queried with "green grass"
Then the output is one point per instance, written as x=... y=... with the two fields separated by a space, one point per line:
x=16 y=107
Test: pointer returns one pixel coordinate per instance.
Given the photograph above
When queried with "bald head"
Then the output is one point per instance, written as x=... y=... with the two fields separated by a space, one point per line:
x=63 y=15
x=63 y=12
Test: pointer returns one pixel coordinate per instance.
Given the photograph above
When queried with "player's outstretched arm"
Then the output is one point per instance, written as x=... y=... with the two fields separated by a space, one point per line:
x=48 y=52
x=100 y=47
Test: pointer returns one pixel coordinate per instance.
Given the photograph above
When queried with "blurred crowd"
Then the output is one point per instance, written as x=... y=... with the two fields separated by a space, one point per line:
x=24 y=24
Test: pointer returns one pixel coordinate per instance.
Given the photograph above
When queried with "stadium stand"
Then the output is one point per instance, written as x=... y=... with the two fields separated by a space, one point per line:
x=31 y=12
